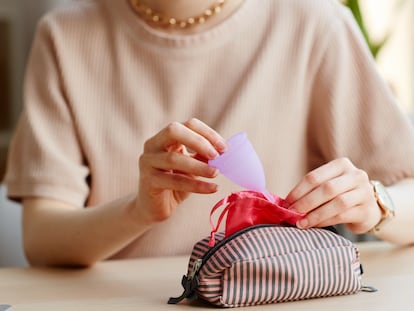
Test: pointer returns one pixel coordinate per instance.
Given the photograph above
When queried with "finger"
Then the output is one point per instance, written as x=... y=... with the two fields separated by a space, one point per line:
x=178 y=182
x=346 y=218
x=335 y=211
x=324 y=193
x=172 y=161
x=176 y=133
x=199 y=157
x=211 y=135
x=339 y=219
x=318 y=176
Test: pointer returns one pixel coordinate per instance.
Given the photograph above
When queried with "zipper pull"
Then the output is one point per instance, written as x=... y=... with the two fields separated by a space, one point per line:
x=189 y=283
x=196 y=266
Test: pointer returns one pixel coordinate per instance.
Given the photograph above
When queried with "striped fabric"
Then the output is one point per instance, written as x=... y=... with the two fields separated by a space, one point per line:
x=268 y=264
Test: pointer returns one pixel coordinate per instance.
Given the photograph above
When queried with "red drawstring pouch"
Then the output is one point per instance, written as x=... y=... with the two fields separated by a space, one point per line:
x=248 y=208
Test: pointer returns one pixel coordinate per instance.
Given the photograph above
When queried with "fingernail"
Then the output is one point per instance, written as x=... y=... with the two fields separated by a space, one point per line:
x=221 y=146
x=302 y=224
x=291 y=207
x=213 y=187
x=213 y=172
x=212 y=154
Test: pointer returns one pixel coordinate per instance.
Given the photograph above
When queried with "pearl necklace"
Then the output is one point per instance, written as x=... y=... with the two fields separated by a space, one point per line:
x=160 y=20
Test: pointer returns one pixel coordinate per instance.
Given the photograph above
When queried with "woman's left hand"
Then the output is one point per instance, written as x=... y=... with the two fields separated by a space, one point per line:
x=335 y=193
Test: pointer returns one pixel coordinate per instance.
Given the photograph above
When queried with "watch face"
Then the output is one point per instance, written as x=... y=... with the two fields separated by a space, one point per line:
x=384 y=197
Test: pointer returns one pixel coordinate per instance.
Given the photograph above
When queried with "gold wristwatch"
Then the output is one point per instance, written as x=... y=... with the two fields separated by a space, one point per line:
x=385 y=203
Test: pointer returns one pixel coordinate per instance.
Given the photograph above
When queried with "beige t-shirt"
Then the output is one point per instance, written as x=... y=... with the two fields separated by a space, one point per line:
x=294 y=74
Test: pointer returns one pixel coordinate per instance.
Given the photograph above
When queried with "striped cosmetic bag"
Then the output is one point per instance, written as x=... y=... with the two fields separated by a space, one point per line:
x=265 y=264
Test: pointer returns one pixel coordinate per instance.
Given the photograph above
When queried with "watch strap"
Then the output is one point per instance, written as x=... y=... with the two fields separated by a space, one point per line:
x=385 y=204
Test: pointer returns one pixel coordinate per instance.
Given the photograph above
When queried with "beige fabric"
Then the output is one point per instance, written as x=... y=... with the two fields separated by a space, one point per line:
x=294 y=74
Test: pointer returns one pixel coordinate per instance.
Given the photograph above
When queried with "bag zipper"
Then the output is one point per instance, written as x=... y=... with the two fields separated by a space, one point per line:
x=190 y=281
x=198 y=264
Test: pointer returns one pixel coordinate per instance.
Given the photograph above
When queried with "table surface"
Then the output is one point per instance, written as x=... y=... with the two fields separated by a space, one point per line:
x=146 y=284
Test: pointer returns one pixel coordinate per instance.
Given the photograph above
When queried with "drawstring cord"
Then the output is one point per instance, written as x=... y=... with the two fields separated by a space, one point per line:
x=214 y=229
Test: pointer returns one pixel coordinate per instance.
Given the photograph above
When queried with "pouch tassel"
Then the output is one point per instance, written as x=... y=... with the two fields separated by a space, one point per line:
x=212 y=240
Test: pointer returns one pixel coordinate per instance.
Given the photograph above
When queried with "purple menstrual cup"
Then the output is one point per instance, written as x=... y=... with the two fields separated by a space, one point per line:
x=241 y=165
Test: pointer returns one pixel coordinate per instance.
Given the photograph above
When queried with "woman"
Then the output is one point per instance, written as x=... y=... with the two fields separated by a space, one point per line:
x=105 y=76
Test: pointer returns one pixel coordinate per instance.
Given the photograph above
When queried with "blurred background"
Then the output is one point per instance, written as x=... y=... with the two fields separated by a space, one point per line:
x=18 y=20
x=388 y=26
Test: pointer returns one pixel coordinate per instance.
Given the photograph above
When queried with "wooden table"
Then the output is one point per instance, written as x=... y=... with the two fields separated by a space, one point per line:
x=146 y=284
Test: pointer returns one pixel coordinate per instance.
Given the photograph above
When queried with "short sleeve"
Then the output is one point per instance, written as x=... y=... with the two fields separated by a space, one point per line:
x=353 y=112
x=45 y=158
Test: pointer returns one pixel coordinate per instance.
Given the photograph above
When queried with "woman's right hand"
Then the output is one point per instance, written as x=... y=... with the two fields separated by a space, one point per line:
x=169 y=172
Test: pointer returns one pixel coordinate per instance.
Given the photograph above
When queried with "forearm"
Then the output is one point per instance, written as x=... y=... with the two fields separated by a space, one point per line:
x=401 y=229
x=59 y=234
x=68 y=235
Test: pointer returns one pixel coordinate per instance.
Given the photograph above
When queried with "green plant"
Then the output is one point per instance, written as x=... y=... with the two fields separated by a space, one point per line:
x=355 y=8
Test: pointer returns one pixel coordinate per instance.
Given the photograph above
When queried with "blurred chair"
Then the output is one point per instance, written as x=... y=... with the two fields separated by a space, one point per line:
x=11 y=246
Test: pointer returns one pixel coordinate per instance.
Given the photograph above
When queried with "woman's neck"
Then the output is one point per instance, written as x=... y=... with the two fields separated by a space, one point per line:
x=182 y=10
